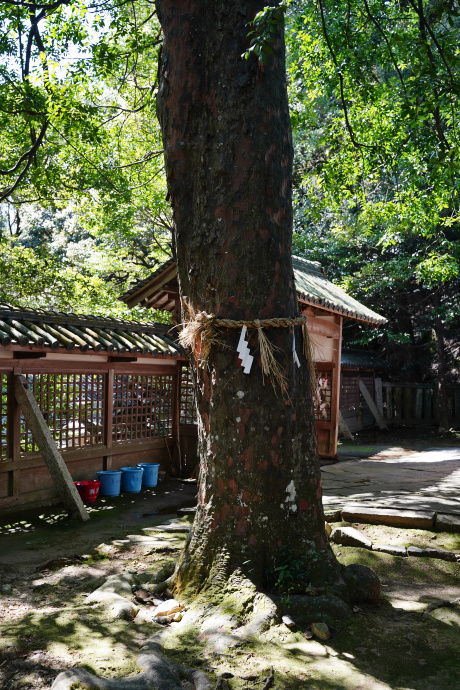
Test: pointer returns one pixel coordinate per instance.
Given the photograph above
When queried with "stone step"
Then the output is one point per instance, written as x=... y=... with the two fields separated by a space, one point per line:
x=386 y=516
x=447 y=523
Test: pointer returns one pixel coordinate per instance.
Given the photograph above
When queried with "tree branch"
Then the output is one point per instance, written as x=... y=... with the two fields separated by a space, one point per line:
x=31 y=153
x=28 y=154
x=355 y=143
x=384 y=36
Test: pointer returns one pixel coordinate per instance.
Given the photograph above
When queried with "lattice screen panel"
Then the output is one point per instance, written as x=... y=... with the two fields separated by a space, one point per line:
x=323 y=396
x=142 y=406
x=72 y=405
x=350 y=395
x=187 y=397
x=4 y=416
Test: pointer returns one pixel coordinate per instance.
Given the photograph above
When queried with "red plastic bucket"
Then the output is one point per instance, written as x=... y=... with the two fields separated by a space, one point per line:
x=88 y=490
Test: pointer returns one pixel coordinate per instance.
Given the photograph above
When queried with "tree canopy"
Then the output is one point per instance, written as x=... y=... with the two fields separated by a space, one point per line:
x=80 y=140
x=374 y=97
x=375 y=107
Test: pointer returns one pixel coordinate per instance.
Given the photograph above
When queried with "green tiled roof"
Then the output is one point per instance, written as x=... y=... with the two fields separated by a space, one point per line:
x=362 y=359
x=57 y=330
x=313 y=287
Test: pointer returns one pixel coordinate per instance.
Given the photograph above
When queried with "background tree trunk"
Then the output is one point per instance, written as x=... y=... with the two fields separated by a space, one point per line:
x=228 y=153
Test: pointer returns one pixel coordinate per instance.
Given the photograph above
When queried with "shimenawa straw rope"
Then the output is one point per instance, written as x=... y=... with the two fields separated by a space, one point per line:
x=200 y=333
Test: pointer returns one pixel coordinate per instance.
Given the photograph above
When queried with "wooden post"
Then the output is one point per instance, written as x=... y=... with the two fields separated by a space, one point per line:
x=407 y=404
x=418 y=403
x=398 y=405
x=335 y=392
x=49 y=450
x=177 y=383
x=13 y=421
x=450 y=405
x=429 y=404
x=13 y=436
x=108 y=419
x=389 y=390
x=368 y=398
x=457 y=405
x=379 y=395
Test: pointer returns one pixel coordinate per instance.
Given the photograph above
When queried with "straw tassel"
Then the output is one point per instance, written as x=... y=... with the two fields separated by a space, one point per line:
x=270 y=367
x=199 y=334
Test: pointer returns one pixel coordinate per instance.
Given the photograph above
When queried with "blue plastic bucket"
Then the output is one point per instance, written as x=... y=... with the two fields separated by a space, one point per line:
x=131 y=479
x=110 y=482
x=150 y=476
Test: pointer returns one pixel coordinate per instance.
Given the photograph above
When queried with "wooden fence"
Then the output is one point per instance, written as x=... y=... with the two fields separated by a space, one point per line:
x=415 y=403
x=101 y=416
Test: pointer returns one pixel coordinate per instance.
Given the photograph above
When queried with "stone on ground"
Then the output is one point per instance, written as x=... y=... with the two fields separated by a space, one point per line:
x=321 y=631
x=430 y=552
x=333 y=515
x=167 y=608
x=118 y=584
x=414 y=551
x=287 y=620
x=392 y=549
x=349 y=536
x=362 y=583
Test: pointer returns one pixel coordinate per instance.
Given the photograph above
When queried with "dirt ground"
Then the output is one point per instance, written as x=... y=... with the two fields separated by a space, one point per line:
x=49 y=564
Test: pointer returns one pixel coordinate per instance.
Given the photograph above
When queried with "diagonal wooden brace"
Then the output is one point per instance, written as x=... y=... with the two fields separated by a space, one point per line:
x=48 y=448
x=372 y=406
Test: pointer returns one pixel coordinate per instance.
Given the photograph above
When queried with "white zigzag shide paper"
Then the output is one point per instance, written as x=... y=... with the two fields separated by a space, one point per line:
x=244 y=352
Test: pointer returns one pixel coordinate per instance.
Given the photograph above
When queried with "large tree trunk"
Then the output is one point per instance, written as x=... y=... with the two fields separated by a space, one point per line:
x=228 y=153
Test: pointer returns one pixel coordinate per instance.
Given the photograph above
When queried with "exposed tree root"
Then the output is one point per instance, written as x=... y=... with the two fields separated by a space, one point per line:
x=226 y=612
x=157 y=673
x=444 y=603
x=270 y=680
x=222 y=616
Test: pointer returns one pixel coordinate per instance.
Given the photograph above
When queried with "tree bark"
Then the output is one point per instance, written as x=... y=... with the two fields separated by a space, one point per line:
x=228 y=155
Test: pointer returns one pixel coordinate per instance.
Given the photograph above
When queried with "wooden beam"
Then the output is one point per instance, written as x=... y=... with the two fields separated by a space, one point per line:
x=372 y=406
x=343 y=426
x=30 y=355
x=305 y=304
x=160 y=365
x=322 y=327
x=154 y=285
x=49 y=450
x=29 y=460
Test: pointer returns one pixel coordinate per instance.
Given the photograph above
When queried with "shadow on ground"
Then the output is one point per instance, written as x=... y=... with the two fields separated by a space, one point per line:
x=45 y=626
